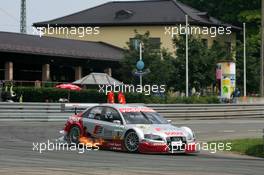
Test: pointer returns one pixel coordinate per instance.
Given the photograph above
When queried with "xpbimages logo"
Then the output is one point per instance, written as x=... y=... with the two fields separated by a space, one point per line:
x=80 y=32
x=42 y=147
x=125 y=88
x=211 y=147
x=196 y=30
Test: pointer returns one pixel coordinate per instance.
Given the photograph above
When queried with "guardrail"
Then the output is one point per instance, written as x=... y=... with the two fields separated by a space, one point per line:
x=60 y=112
x=31 y=112
x=191 y=111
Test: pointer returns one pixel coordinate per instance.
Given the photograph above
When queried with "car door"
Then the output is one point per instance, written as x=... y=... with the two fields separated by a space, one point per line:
x=111 y=128
x=92 y=121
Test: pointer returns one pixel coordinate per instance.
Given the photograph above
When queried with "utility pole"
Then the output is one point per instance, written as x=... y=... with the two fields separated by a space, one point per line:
x=140 y=58
x=187 y=57
x=262 y=51
x=245 y=60
x=23 y=17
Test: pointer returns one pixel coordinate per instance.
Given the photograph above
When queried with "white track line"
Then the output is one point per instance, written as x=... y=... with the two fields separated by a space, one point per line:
x=226 y=131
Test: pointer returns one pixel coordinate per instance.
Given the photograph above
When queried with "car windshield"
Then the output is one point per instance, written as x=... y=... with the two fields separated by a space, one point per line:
x=143 y=118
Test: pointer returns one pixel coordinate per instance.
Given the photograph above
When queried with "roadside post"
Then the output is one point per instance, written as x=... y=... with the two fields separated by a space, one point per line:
x=263 y=138
x=1 y=88
x=187 y=56
x=140 y=66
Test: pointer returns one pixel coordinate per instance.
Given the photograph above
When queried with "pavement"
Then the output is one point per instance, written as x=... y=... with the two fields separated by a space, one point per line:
x=18 y=157
x=210 y=130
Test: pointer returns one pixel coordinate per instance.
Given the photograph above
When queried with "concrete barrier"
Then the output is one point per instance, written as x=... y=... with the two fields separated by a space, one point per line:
x=60 y=112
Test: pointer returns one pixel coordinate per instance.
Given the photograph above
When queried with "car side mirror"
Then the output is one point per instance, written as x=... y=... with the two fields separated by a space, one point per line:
x=75 y=110
x=117 y=122
x=169 y=121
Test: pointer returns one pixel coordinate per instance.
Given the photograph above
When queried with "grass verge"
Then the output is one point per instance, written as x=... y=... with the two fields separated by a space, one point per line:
x=251 y=147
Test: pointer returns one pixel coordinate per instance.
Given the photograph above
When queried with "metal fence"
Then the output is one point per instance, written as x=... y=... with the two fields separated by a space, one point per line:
x=37 y=83
x=60 y=112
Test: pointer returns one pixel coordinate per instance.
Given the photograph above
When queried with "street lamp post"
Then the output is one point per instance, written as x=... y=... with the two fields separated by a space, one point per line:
x=140 y=58
x=262 y=51
x=140 y=66
x=245 y=61
x=187 y=58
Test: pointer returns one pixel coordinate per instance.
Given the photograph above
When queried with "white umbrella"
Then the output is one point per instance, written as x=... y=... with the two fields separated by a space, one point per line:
x=97 y=79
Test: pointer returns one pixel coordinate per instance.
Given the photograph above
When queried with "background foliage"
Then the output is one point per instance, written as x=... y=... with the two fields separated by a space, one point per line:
x=236 y=12
x=93 y=96
x=201 y=65
x=159 y=62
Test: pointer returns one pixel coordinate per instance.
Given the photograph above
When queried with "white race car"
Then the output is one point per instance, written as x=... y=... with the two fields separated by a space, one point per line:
x=129 y=128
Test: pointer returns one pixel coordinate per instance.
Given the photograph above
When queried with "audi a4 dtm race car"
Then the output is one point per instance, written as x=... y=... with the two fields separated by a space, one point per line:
x=128 y=128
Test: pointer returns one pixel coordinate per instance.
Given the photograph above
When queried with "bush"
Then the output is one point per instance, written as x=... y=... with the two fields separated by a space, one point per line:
x=93 y=96
x=247 y=146
x=54 y=94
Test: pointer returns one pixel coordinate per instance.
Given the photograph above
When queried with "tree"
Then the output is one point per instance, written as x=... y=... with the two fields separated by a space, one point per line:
x=202 y=62
x=253 y=22
x=158 y=61
x=253 y=61
x=228 y=11
x=236 y=12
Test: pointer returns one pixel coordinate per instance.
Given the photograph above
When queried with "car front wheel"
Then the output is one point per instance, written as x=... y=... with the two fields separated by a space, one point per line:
x=131 y=141
x=74 y=135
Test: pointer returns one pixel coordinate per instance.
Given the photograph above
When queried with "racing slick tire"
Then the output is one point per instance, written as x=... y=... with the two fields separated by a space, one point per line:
x=131 y=142
x=74 y=135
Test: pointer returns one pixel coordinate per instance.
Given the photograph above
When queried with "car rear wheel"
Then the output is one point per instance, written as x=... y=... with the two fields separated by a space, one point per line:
x=74 y=135
x=131 y=141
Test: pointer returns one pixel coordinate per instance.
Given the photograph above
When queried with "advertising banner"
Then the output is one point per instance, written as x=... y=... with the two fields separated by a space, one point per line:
x=226 y=73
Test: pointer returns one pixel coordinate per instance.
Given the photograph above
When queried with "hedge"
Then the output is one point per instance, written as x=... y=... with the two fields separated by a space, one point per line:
x=93 y=96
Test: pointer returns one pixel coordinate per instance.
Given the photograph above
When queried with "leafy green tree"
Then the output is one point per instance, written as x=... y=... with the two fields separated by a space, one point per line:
x=252 y=17
x=228 y=11
x=236 y=12
x=202 y=62
x=253 y=66
x=203 y=59
x=158 y=61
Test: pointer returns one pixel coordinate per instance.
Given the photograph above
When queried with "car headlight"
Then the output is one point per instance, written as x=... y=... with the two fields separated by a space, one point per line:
x=153 y=137
x=190 y=133
x=189 y=136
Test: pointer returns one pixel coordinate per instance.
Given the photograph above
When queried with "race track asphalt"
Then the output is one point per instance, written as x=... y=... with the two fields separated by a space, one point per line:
x=17 y=155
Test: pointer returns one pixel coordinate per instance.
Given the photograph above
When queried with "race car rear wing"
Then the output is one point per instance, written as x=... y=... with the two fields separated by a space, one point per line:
x=79 y=107
x=76 y=107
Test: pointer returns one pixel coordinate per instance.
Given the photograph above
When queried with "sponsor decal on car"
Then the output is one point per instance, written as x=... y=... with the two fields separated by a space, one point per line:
x=141 y=109
x=142 y=126
x=98 y=129
x=170 y=131
x=174 y=133
x=158 y=129
x=115 y=145
x=74 y=119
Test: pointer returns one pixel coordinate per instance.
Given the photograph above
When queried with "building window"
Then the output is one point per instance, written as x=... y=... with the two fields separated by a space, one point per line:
x=205 y=42
x=228 y=47
x=155 y=42
x=215 y=42
x=135 y=43
x=123 y=14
